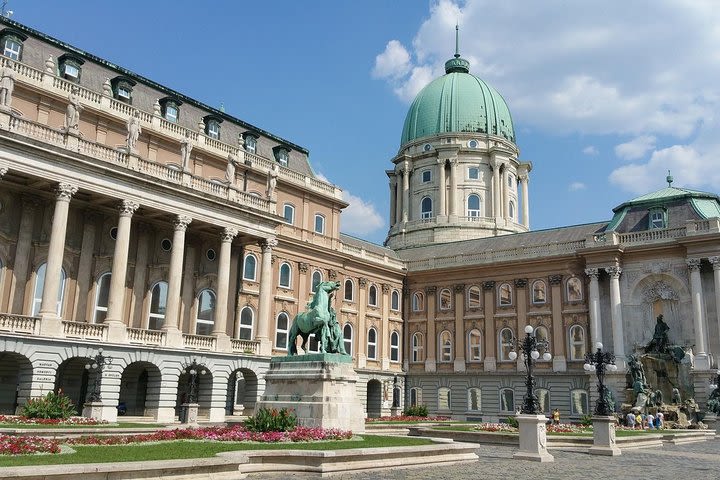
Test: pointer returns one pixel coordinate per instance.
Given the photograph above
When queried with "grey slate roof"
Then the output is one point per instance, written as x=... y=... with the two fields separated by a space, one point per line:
x=368 y=246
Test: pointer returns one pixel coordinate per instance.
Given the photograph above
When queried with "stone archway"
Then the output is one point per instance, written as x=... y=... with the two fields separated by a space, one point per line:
x=15 y=382
x=374 y=399
x=203 y=385
x=74 y=381
x=242 y=393
x=139 y=390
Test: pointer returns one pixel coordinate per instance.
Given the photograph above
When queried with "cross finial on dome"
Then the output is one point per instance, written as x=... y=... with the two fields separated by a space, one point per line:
x=669 y=179
x=457 y=40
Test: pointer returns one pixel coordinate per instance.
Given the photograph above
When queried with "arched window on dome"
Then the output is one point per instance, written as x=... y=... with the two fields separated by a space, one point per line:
x=426 y=208
x=473 y=206
x=511 y=210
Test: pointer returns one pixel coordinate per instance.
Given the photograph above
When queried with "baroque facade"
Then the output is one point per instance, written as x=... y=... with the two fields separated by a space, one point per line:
x=168 y=233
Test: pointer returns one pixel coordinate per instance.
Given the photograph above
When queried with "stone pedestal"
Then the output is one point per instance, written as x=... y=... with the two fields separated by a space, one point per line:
x=100 y=411
x=604 y=437
x=533 y=439
x=189 y=413
x=320 y=388
x=711 y=420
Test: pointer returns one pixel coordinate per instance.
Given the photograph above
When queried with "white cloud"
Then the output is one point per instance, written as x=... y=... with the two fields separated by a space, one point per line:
x=635 y=148
x=590 y=150
x=575 y=186
x=394 y=62
x=360 y=217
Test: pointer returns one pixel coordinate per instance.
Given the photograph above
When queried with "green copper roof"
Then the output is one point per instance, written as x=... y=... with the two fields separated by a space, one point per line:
x=457 y=102
x=667 y=193
x=706 y=207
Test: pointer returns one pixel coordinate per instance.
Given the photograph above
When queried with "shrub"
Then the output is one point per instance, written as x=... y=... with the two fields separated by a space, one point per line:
x=272 y=420
x=416 y=411
x=52 y=405
x=586 y=420
x=512 y=421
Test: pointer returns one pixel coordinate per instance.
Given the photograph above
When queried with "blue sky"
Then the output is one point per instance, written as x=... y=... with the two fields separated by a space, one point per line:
x=605 y=96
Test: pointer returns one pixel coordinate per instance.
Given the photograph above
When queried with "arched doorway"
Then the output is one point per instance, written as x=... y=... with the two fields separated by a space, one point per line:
x=73 y=380
x=242 y=393
x=374 y=399
x=203 y=381
x=139 y=390
x=15 y=381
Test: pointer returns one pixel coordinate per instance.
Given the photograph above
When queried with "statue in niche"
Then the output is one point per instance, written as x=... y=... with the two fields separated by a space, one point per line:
x=7 y=84
x=659 y=342
x=133 y=132
x=271 y=181
x=230 y=169
x=185 y=150
x=72 y=113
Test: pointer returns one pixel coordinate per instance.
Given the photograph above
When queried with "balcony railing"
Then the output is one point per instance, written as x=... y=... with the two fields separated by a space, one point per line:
x=19 y=324
x=84 y=331
x=245 y=346
x=145 y=337
x=198 y=342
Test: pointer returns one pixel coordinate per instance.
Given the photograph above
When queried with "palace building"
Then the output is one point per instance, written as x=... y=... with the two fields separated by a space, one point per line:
x=167 y=233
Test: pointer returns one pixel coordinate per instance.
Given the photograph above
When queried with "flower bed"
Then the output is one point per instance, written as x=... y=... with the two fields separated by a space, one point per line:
x=11 y=445
x=568 y=428
x=236 y=433
x=405 y=418
x=495 y=427
x=20 y=420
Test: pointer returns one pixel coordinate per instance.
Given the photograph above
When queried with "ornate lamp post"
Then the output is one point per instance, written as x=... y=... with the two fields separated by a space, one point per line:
x=530 y=348
x=599 y=362
x=193 y=371
x=533 y=439
x=96 y=366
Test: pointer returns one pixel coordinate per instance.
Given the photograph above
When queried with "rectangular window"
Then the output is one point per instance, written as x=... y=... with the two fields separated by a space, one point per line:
x=657 y=218
x=171 y=113
x=12 y=49
x=473 y=173
x=123 y=94
x=71 y=71
x=213 y=130
x=320 y=224
x=426 y=176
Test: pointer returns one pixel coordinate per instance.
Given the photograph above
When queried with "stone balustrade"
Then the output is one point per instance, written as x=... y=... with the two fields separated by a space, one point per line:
x=146 y=337
x=19 y=324
x=251 y=347
x=199 y=342
x=84 y=331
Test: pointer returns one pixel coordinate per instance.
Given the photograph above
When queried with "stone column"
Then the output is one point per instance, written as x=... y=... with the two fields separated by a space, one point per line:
x=559 y=360
x=172 y=313
x=362 y=329
x=460 y=337
x=18 y=281
x=116 y=299
x=432 y=341
x=406 y=193
x=84 y=272
x=490 y=363
x=139 y=288
x=594 y=304
x=505 y=194
x=526 y=203
x=393 y=200
x=398 y=197
x=616 y=316
x=266 y=290
x=442 y=190
x=220 y=330
x=497 y=206
x=715 y=261
x=385 y=333
x=48 y=308
x=702 y=361
x=452 y=200
x=187 y=322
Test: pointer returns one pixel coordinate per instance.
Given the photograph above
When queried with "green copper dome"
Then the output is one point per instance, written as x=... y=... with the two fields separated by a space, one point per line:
x=457 y=102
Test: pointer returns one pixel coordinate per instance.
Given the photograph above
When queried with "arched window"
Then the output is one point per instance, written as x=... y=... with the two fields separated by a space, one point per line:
x=289 y=213
x=372 y=344
x=395 y=300
x=349 y=292
x=510 y=180
x=541 y=333
x=506 y=343
x=249 y=269
x=579 y=402
x=444 y=399
x=473 y=206
x=316 y=279
x=507 y=400
x=474 y=399
x=417 y=347
x=372 y=296
x=205 y=321
x=473 y=294
x=511 y=210
x=574 y=290
x=348 y=338
x=505 y=295
x=281 y=331
x=285 y=275
x=415 y=396
x=426 y=208
x=445 y=299
x=539 y=292
x=474 y=345
x=446 y=346
x=394 y=347
x=102 y=294
x=543 y=395
x=247 y=316
x=418 y=302
x=158 y=305
x=319 y=224
x=577 y=343
x=40 y=286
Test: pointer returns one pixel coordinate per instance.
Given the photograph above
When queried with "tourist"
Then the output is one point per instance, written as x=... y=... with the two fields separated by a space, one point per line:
x=630 y=420
x=556 y=417
x=660 y=420
x=650 y=421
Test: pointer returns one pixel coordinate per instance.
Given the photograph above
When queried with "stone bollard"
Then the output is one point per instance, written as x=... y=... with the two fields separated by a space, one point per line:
x=533 y=439
x=604 y=437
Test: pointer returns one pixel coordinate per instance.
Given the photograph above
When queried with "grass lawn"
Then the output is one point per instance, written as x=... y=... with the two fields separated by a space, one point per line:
x=194 y=449
x=415 y=422
x=20 y=426
x=619 y=433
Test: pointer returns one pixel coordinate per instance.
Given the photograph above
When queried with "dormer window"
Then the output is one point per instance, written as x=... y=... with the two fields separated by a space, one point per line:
x=12 y=43
x=122 y=88
x=212 y=126
x=282 y=155
x=250 y=142
x=69 y=67
x=170 y=109
x=658 y=218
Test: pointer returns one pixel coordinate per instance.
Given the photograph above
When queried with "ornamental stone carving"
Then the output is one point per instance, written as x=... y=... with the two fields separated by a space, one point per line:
x=521 y=282
x=50 y=65
x=72 y=112
x=592 y=272
x=3 y=171
x=303 y=267
x=659 y=291
x=555 y=279
x=332 y=274
x=7 y=84
x=107 y=88
x=267 y=244
x=65 y=191
x=432 y=289
x=362 y=282
x=693 y=264
x=715 y=261
x=460 y=288
x=133 y=132
x=271 y=181
x=614 y=272
x=181 y=222
x=228 y=234
x=385 y=288
x=127 y=208
x=186 y=147
x=489 y=285
x=230 y=169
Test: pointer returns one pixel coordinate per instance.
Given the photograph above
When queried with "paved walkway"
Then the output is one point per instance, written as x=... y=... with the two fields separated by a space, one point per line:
x=695 y=461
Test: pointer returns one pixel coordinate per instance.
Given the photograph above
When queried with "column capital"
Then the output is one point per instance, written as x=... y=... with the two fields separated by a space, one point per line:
x=521 y=282
x=489 y=285
x=441 y=161
x=362 y=282
x=3 y=171
x=127 y=208
x=614 y=272
x=303 y=267
x=555 y=279
x=228 y=234
x=453 y=161
x=65 y=191
x=431 y=289
x=523 y=177
x=267 y=244
x=694 y=264
x=459 y=288
x=385 y=288
x=181 y=222
x=593 y=273
x=332 y=274
x=715 y=261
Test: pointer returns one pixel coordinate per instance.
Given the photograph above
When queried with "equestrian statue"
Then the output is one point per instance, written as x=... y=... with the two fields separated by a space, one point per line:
x=320 y=319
